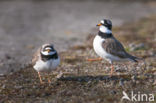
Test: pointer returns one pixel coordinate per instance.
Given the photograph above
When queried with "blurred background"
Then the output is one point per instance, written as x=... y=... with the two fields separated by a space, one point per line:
x=70 y=25
x=26 y=24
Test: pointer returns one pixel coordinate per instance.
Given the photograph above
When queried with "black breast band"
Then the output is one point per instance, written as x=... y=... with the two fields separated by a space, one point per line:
x=47 y=57
x=104 y=35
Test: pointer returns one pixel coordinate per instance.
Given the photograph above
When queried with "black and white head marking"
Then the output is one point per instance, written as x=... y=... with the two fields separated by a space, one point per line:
x=107 y=23
x=48 y=52
x=105 y=28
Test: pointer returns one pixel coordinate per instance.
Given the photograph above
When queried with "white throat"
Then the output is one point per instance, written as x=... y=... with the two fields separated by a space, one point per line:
x=105 y=29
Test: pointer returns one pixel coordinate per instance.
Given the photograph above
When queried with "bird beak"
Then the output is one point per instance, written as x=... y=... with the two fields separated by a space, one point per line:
x=48 y=50
x=99 y=24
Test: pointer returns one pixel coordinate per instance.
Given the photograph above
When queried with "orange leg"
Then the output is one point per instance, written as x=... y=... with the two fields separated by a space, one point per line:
x=49 y=81
x=40 y=78
x=112 y=70
x=96 y=59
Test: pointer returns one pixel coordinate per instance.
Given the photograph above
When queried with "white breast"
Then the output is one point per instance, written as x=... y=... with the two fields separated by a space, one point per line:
x=97 y=45
x=46 y=66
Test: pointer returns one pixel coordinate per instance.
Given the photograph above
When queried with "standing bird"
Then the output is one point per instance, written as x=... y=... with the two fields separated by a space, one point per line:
x=46 y=60
x=108 y=47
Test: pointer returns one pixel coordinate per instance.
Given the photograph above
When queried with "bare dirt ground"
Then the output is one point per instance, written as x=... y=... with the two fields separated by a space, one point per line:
x=27 y=24
x=89 y=82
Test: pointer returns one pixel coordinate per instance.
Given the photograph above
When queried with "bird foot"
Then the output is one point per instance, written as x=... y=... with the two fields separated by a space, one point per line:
x=111 y=75
x=49 y=81
x=112 y=70
x=41 y=82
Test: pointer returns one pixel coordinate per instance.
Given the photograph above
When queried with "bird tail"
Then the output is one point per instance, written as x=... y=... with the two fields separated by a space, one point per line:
x=135 y=59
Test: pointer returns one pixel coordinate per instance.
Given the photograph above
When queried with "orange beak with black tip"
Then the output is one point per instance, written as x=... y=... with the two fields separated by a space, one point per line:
x=49 y=50
x=99 y=24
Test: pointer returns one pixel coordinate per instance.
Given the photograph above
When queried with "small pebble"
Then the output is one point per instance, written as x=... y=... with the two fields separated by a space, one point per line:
x=4 y=86
x=121 y=82
x=113 y=92
x=134 y=47
x=18 y=87
x=134 y=78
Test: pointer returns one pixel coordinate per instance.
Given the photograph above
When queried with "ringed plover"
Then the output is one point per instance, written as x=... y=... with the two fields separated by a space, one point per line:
x=45 y=59
x=108 y=47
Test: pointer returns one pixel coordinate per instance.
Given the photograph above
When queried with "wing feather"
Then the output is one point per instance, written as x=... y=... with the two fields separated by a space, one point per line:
x=114 y=47
x=36 y=56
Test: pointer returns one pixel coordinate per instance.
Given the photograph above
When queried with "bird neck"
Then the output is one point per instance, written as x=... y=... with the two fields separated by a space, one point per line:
x=105 y=35
x=48 y=57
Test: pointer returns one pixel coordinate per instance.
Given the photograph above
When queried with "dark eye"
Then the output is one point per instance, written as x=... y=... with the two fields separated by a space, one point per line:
x=44 y=49
x=51 y=47
x=105 y=24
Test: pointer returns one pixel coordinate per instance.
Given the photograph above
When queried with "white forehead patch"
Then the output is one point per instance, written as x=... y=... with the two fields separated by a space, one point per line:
x=47 y=48
x=46 y=53
x=102 y=21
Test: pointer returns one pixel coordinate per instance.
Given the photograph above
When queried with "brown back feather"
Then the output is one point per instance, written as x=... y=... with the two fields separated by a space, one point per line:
x=114 y=47
x=36 y=56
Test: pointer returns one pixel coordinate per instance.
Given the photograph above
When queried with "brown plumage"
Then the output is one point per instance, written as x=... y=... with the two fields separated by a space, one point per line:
x=36 y=56
x=114 y=47
x=108 y=47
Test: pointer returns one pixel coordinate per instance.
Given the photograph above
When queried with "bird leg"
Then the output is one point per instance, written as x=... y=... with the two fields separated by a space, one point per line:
x=112 y=70
x=49 y=81
x=96 y=59
x=40 y=78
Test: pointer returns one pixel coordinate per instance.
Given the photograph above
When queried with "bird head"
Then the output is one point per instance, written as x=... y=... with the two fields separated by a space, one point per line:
x=105 y=23
x=48 y=49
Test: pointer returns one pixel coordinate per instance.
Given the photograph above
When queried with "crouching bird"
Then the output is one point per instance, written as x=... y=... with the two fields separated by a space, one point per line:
x=45 y=59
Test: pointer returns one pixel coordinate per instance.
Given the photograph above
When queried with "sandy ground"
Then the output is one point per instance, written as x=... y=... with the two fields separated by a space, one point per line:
x=26 y=25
